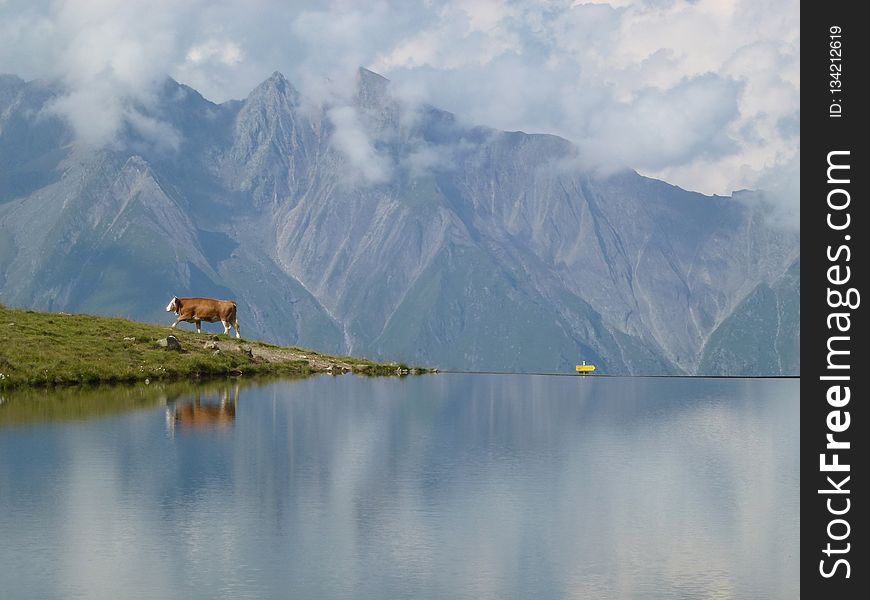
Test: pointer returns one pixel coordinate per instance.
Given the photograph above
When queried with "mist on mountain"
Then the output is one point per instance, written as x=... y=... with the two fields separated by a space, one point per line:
x=380 y=227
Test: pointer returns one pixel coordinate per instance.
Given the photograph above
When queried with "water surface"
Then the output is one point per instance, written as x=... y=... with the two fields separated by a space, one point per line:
x=447 y=486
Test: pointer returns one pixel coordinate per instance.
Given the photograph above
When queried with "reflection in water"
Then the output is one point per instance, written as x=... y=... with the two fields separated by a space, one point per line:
x=203 y=410
x=197 y=403
x=437 y=487
x=42 y=405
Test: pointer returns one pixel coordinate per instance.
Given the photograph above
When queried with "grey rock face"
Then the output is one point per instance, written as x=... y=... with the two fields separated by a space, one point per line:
x=766 y=321
x=391 y=231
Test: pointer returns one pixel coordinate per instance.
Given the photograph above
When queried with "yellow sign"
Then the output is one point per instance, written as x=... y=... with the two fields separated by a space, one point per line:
x=585 y=368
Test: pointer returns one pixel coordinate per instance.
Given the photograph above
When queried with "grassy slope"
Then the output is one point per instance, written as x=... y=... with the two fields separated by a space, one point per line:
x=39 y=349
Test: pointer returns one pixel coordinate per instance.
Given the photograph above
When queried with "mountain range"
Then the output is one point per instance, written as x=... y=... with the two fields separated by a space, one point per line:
x=394 y=230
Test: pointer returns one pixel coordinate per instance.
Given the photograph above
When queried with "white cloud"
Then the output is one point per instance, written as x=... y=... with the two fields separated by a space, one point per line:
x=226 y=52
x=781 y=189
x=351 y=140
x=666 y=127
x=629 y=81
x=95 y=115
x=156 y=132
x=110 y=55
x=423 y=159
x=613 y=78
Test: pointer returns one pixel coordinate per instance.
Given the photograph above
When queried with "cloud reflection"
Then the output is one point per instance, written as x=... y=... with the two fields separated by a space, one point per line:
x=447 y=486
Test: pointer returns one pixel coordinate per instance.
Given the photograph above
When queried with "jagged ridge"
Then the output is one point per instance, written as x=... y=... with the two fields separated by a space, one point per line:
x=378 y=227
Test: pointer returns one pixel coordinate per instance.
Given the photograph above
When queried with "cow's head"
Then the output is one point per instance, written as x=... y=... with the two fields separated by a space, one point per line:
x=173 y=305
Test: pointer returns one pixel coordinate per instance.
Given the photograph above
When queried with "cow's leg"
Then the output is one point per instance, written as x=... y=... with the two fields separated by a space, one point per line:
x=226 y=326
x=236 y=325
x=177 y=321
x=198 y=326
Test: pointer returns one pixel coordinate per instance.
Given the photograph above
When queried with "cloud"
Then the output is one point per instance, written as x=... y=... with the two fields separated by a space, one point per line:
x=672 y=126
x=110 y=55
x=697 y=93
x=704 y=94
x=781 y=191
x=227 y=52
x=351 y=140
x=423 y=159
x=95 y=117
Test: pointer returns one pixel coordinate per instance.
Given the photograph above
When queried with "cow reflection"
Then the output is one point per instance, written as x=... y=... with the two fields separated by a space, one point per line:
x=203 y=410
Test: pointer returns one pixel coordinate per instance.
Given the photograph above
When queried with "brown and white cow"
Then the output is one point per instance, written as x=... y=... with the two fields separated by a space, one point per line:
x=197 y=310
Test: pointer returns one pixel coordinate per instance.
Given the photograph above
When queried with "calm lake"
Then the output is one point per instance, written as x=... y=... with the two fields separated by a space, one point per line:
x=440 y=486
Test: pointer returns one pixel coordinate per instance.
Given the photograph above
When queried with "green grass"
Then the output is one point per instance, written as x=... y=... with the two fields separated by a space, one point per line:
x=52 y=349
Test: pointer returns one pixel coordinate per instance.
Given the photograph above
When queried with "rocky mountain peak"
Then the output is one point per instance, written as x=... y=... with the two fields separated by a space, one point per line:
x=10 y=86
x=9 y=80
x=372 y=89
x=275 y=90
x=497 y=261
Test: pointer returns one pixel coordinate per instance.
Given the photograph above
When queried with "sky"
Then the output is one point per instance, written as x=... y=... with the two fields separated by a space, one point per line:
x=701 y=93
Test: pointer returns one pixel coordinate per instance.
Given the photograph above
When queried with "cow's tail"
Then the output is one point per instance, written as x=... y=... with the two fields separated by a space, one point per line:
x=234 y=319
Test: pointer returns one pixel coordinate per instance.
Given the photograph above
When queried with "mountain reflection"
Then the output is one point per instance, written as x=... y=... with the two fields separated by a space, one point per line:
x=450 y=486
